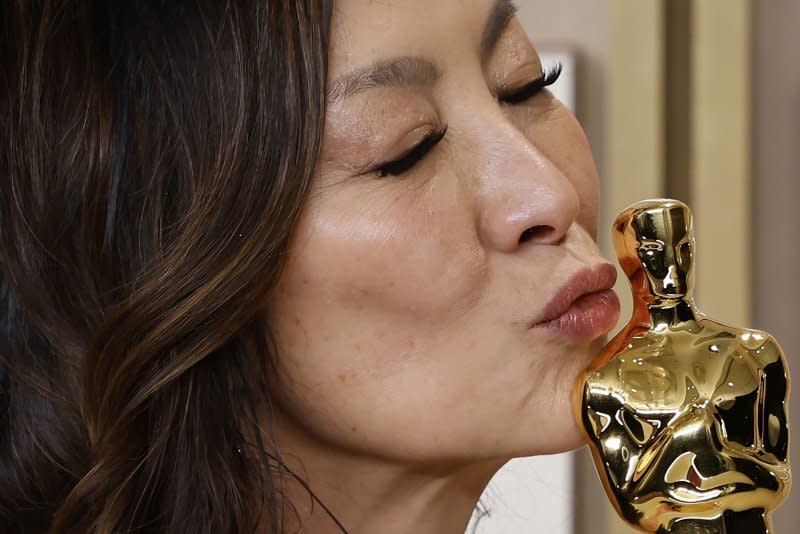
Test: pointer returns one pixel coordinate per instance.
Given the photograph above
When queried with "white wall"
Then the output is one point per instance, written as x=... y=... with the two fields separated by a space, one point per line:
x=529 y=495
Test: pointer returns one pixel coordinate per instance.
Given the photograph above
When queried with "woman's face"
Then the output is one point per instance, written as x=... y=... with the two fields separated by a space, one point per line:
x=406 y=316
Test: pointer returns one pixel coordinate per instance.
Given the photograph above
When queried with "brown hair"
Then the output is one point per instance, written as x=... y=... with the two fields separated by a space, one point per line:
x=154 y=156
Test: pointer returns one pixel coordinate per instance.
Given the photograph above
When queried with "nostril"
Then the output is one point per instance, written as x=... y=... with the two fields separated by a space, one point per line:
x=537 y=233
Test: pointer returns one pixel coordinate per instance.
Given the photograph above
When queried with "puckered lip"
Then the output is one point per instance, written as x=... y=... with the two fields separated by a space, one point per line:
x=593 y=279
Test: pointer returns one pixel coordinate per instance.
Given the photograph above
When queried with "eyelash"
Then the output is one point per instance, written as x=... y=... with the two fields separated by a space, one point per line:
x=410 y=158
x=549 y=77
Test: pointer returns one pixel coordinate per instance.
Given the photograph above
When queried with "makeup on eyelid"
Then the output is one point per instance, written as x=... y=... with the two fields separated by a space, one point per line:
x=409 y=141
x=400 y=165
x=366 y=136
x=520 y=78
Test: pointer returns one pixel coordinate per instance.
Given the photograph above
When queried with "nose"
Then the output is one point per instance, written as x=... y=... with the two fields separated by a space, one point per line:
x=673 y=280
x=525 y=197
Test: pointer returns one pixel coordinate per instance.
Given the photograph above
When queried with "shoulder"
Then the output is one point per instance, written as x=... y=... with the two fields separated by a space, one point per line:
x=759 y=344
x=762 y=345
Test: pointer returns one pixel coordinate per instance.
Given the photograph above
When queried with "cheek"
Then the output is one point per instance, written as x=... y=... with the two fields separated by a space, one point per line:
x=373 y=286
x=400 y=248
x=372 y=280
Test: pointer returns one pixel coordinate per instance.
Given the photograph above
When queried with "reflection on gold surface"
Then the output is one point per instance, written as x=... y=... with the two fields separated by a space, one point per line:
x=686 y=417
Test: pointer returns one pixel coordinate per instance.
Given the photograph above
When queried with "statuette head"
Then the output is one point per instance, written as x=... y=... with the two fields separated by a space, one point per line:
x=656 y=237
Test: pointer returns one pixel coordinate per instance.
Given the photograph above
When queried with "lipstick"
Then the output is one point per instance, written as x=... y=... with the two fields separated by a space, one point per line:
x=585 y=307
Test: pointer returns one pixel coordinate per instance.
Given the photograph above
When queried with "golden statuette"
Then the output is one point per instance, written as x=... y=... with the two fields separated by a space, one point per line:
x=686 y=417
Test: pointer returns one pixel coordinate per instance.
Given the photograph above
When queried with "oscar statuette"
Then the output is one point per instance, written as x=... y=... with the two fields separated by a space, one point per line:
x=686 y=417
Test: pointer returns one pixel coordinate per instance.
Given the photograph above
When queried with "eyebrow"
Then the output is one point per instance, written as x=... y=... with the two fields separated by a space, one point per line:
x=410 y=71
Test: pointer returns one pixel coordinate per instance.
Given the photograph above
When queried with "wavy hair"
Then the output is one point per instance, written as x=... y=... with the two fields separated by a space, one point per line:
x=154 y=157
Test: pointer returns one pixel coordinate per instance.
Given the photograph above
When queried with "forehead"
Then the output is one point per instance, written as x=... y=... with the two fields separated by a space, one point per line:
x=366 y=30
x=661 y=223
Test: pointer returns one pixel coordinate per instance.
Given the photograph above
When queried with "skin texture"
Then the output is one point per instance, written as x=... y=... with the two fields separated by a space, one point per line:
x=409 y=371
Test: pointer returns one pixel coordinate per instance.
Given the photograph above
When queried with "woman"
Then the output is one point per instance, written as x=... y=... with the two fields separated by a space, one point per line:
x=284 y=266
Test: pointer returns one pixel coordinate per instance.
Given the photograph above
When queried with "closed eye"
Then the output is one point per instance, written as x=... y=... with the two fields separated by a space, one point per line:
x=533 y=88
x=410 y=158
